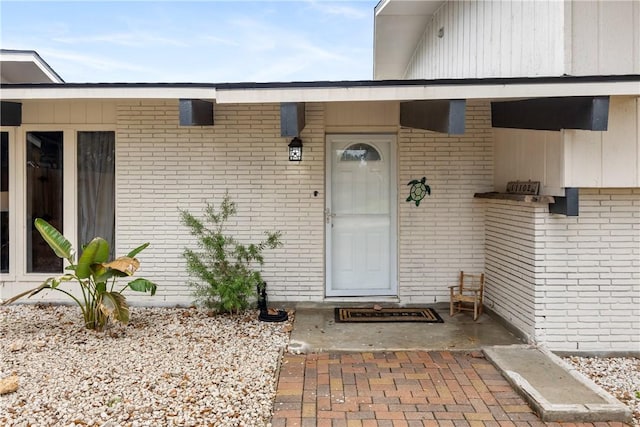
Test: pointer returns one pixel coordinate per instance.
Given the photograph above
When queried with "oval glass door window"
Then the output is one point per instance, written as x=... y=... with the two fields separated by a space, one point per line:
x=360 y=152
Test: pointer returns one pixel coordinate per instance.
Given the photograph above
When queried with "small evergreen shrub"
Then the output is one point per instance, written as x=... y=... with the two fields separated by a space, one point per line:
x=223 y=268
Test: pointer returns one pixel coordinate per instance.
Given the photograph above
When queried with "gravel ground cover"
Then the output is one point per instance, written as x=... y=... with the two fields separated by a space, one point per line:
x=620 y=376
x=169 y=366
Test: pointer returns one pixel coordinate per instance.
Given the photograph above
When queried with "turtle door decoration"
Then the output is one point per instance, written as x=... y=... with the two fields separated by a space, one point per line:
x=419 y=189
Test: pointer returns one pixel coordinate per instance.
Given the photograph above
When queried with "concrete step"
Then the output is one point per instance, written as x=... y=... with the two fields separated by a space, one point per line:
x=554 y=389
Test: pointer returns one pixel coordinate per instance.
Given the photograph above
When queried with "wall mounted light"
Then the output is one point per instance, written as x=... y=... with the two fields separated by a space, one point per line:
x=295 y=150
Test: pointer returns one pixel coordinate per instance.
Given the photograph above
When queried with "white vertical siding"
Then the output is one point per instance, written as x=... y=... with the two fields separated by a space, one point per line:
x=529 y=38
x=364 y=117
x=69 y=112
x=491 y=39
x=606 y=159
x=573 y=158
x=605 y=37
x=522 y=155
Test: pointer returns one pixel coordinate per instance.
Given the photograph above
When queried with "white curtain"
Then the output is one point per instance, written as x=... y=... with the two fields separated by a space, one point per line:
x=96 y=187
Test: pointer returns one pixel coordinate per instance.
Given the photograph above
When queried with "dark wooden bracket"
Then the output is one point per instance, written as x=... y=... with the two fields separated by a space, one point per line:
x=441 y=115
x=579 y=112
x=196 y=112
x=567 y=205
x=10 y=113
x=292 y=118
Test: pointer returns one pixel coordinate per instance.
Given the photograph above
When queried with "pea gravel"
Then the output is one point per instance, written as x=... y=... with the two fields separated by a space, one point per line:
x=620 y=376
x=169 y=367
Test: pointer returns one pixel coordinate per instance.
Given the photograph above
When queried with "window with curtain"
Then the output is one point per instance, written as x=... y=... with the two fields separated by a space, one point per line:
x=44 y=197
x=4 y=202
x=96 y=187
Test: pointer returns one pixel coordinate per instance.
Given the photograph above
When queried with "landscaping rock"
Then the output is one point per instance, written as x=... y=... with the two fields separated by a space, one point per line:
x=169 y=366
x=8 y=384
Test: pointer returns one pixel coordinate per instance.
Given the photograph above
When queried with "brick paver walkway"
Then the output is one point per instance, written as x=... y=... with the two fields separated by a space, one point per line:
x=399 y=389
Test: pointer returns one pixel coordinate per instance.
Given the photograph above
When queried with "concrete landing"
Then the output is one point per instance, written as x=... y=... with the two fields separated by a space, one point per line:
x=315 y=330
x=555 y=390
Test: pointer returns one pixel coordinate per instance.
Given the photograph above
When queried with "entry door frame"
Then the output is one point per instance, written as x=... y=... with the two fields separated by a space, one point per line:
x=393 y=213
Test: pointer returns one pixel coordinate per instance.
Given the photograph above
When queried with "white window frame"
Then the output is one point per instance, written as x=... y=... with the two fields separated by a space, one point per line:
x=69 y=189
x=8 y=277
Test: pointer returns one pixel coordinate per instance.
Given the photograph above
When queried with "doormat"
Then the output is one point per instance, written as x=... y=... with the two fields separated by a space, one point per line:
x=355 y=315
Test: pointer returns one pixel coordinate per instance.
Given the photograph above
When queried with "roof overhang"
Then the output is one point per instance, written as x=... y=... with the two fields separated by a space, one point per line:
x=25 y=66
x=398 y=25
x=106 y=91
x=396 y=90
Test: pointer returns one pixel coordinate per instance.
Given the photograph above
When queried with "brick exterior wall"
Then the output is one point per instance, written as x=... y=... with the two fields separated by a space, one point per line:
x=445 y=234
x=572 y=283
x=162 y=167
x=510 y=261
x=580 y=274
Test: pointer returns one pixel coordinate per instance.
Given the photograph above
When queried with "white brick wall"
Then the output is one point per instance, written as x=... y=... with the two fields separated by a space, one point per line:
x=591 y=283
x=585 y=286
x=162 y=167
x=445 y=234
x=572 y=283
x=511 y=249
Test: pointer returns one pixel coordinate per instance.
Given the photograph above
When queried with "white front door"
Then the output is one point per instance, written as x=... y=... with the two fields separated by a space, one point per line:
x=360 y=215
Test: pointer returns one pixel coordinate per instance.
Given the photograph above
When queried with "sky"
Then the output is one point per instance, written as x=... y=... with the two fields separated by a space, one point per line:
x=200 y=41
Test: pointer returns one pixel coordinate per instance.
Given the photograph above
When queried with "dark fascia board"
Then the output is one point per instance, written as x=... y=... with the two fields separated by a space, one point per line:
x=343 y=83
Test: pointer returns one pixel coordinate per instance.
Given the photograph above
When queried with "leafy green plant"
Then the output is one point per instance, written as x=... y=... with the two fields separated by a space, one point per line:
x=96 y=275
x=223 y=267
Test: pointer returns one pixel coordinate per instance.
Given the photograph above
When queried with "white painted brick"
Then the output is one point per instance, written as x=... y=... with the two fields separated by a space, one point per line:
x=446 y=233
x=547 y=274
x=591 y=270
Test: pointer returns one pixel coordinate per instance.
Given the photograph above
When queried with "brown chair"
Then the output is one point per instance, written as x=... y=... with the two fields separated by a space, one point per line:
x=467 y=292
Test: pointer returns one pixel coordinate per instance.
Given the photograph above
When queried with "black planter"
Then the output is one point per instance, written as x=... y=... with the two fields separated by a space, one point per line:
x=262 y=297
x=264 y=315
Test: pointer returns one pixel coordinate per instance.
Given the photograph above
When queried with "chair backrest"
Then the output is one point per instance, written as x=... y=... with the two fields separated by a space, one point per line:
x=474 y=281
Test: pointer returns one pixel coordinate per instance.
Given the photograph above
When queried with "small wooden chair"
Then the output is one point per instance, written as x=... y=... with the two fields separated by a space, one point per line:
x=469 y=290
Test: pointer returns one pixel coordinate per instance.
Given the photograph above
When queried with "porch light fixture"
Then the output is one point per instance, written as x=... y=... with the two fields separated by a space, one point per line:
x=295 y=150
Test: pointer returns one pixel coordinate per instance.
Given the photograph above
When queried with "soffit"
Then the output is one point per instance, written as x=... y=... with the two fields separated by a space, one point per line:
x=18 y=66
x=400 y=90
x=398 y=26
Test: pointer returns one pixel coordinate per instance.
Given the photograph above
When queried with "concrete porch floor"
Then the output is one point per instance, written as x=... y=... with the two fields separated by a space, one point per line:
x=315 y=330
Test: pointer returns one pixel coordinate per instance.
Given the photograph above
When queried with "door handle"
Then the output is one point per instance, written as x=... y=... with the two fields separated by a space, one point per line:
x=328 y=215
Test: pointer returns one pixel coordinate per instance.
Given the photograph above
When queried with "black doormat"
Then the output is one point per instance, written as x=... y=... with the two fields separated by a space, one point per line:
x=354 y=315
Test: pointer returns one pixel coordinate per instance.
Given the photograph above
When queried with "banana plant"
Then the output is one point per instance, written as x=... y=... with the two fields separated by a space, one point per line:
x=101 y=300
